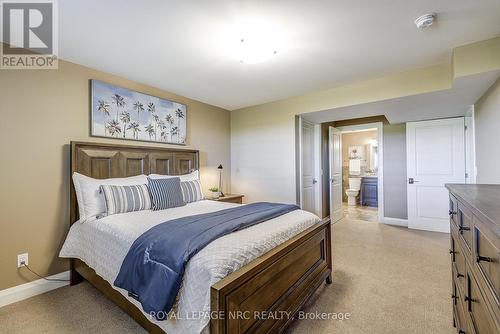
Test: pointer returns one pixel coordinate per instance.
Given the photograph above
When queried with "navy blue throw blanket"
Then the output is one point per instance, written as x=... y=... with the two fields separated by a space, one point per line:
x=153 y=268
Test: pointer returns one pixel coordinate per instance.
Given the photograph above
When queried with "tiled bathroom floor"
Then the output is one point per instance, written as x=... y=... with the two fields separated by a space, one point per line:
x=359 y=212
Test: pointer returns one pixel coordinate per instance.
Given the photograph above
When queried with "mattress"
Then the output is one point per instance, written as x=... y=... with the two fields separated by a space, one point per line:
x=103 y=244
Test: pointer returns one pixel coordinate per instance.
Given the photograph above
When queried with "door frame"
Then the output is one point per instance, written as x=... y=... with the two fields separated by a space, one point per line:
x=380 y=175
x=318 y=208
x=470 y=147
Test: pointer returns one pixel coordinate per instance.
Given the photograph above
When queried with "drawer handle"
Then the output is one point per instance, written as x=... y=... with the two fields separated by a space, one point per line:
x=460 y=275
x=480 y=258
x=451 y=212
x=462 y=228
x=452 y=252
x=454 y=297
x=468 y=299
x=461 y=332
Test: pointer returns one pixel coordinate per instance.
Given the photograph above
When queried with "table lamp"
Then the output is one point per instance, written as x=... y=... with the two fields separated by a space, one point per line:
x=220 y=180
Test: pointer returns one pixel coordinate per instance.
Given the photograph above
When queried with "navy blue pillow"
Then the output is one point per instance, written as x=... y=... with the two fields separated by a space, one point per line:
x=165 y=193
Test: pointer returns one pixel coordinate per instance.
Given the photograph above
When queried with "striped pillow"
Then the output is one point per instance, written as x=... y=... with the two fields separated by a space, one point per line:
x=165 y=193
x=191 y=191
x=121 y=199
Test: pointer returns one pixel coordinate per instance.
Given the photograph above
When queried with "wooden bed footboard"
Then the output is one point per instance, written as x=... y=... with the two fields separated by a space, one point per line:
x=265 y=295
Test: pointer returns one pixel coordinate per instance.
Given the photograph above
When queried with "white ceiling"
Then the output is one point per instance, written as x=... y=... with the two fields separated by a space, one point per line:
x=179 y=45
x=453 y=102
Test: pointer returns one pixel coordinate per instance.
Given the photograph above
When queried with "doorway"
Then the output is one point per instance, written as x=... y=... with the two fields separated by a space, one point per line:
x=356 y=172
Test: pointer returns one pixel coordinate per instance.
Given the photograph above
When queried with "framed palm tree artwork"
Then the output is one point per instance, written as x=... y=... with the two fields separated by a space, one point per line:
x=121 y=113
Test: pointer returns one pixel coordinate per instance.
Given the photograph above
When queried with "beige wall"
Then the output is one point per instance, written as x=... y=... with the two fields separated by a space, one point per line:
x=263 y=136
x=356 y=139
x=487 y=126
x=477 y=57
x=41 y=112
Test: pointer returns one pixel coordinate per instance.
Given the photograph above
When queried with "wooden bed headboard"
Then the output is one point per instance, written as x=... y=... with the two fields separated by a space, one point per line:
x=102 y=161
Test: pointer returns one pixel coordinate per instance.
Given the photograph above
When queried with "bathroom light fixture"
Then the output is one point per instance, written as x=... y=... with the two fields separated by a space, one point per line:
x=425 y=21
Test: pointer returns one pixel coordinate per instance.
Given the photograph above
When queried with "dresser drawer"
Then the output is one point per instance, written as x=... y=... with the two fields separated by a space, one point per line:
x=462 y=320
x=453 y=210
x=478 y=310
x=454 y=300
x=458 y=258
x=465 y=225
x=486 y=257
x=460 y=269
x=453 y=247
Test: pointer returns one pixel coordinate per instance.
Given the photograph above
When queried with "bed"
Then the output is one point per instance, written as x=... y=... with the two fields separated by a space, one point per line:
x=269 y=268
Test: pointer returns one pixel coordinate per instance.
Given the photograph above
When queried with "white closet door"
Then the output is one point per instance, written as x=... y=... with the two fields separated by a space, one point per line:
x=308 y=191
x=435 y=156
x=335 y=150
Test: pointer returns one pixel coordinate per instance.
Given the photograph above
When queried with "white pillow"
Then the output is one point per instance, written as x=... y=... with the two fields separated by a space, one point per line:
x=193 y=176
x=91 y=202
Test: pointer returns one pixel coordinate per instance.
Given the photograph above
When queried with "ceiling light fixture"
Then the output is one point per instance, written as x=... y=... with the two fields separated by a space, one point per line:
x=425 y=21
x=254 y=41
x=253 y=50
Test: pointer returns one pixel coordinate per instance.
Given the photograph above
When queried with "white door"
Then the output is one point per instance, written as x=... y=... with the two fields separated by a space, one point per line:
x=435 y=156
x=308 y=181
x=335 y=150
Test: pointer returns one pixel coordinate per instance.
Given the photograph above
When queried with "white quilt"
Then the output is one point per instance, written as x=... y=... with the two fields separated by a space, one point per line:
x=102 y=244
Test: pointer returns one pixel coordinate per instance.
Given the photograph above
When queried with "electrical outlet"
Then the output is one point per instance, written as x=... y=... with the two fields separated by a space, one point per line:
x=22 y=259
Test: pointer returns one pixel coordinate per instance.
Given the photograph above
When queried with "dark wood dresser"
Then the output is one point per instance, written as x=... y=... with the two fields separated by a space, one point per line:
x=475 y=245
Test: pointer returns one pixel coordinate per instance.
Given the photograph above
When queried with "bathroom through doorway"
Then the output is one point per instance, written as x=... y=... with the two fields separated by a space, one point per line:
x=361 y=171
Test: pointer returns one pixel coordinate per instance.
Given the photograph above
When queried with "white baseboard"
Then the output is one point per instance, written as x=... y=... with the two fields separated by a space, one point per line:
x=395 y=221
x=444 y=228
x=24 y=291
x=433 y=227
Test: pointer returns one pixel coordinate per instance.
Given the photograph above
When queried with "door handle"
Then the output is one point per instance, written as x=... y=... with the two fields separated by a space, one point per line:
x=412 y=180
x=315 y=181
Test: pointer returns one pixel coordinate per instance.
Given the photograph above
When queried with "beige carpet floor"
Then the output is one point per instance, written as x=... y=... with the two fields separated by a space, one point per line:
x=388 y=279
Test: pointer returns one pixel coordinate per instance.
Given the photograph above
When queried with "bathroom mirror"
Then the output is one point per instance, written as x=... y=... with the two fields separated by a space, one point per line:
x=371 y=157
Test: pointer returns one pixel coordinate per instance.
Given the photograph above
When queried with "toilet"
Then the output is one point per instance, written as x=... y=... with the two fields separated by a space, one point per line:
x=353 y=191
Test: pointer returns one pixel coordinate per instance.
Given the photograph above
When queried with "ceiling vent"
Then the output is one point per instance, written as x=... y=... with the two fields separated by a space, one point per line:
x=425 y=21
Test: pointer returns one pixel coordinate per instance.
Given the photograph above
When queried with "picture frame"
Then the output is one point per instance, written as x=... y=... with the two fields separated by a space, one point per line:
x=122 y=113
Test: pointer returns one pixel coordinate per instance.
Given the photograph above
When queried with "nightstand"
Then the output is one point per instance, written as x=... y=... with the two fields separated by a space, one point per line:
x=231 y=198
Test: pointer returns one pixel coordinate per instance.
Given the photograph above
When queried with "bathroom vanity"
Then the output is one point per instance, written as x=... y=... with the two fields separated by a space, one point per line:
x=369 y=191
